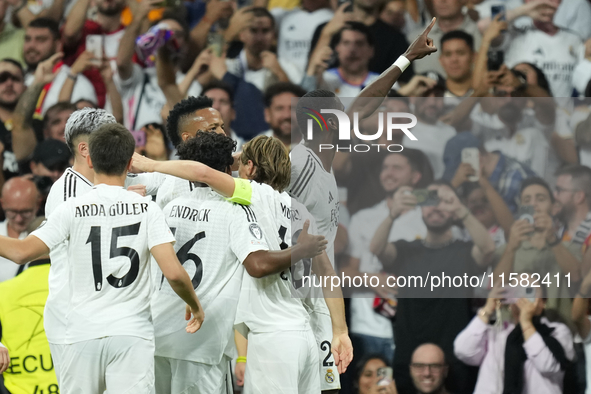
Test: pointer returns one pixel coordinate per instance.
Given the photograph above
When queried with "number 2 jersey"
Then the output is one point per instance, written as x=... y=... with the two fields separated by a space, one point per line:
x=110 y=232
x=214 y=237
x=267 y=304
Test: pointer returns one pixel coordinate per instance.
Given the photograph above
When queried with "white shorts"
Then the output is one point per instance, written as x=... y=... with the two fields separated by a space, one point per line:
x=283 y=362
x=187 y=377
x=118 y=364
x=56 y=357
x=322 y=329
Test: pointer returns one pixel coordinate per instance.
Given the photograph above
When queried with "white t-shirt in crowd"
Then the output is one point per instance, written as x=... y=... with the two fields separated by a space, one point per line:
x=262 y=78
x=317 y=190
x=214 y=237
x=8 y=268
x=555 y=55
x=409 y=227
x=431 y=140
x=142 y=89
x=296 y=30
x=83 y=88
x=576 y=16
x=110 y=232
x=71 y=184
x=333 y=80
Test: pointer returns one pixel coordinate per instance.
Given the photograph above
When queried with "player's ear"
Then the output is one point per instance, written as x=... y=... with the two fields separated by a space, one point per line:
x=89 y=161
x=83 y=148
x=128 y=169
x=267 y=116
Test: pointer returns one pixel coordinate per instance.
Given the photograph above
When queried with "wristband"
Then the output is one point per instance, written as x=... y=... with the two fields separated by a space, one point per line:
x=240 y=359
x=402 y=63
x=73 y=77
x=242 y=192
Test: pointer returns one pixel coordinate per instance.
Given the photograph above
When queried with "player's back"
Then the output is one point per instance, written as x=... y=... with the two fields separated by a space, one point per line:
x=71 y=184
x=316 y=189
x=110 y=233
x=172 y=188
x=211 y=250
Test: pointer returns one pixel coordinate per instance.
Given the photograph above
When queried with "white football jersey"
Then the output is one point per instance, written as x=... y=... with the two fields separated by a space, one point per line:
x=151 y=180
x=70 y=184
x=172 y=188
x=555 y=55
x=110 y=233
x=214 y=237
x=317 y=190
x=266 y=304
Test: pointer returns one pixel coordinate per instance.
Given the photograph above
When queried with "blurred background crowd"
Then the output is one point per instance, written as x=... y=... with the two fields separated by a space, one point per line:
x=510 y=81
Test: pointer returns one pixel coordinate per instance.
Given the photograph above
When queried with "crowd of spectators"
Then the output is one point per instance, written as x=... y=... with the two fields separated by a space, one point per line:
x=511 y=79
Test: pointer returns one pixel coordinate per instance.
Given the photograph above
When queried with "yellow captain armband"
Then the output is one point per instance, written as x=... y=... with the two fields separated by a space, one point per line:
x=242 y=192
x=241 y=359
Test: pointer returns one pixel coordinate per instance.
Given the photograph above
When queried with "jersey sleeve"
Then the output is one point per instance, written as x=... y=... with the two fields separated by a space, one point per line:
x=56 y=227
x=246 y=235
x=152 y=181
x=158 y=231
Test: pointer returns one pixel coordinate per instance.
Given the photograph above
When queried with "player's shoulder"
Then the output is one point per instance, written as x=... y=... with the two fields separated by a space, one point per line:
x=70 y=184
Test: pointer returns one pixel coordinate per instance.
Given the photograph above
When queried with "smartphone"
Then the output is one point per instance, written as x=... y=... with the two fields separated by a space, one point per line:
x=512 y=294
x=497 y=9
x=94 y=44
x=385 y=376
x=495 y=60
x=526 y=212
x=140 y=138
x=472 y=157
x=426 y=198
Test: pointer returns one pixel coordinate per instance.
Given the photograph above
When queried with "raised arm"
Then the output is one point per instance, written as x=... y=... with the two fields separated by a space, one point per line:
x=166 y=74
x=75 y=22
x=180 y=282
x=422 y=46
x=23 y=136
x=519 y=232
x=112 y=92
x=127 y=43
x=403 y=201
x=194 y=171
x=82 y=63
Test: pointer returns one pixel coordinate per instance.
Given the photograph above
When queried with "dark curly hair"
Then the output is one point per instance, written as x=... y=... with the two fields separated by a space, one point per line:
x=179 y=114
x=212 y=149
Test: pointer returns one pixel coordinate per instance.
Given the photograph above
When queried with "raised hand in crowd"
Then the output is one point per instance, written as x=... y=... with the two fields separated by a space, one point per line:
x=319 y=62
x=239 y=21
x=402 y=201
x=520 y=231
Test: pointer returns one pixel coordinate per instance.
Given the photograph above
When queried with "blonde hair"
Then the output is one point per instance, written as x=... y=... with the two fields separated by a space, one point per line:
x=271 y=160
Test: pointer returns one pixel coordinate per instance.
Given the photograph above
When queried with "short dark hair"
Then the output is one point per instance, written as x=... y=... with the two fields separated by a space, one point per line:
x=180 y=113
x=458 y=35
x=316 y=99
x=418 y=162
x=261 y=12
x=541 y=77
x=56 y=108
x=358 y=27
x=280 y=88
x=536 y=181
x=581 y=178
x=111 y=147
x=47 y=23
x=212 y=149
x=219 y=85
x=14 y=63
x=360 y=365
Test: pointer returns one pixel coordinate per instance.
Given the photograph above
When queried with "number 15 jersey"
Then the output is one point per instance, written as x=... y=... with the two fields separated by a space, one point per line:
x=110 y=233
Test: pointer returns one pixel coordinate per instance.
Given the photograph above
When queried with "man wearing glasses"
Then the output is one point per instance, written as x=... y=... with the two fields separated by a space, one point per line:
x=428 y=369
x=20 y=202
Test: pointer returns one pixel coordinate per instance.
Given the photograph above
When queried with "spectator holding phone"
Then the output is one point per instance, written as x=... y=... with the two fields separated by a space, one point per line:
x=534 y=247
x=436 y=320
x=369 y=379
x=525 y=354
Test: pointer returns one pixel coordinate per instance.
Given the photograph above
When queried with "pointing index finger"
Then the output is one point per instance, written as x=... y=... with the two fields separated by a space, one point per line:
x=428 y=28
